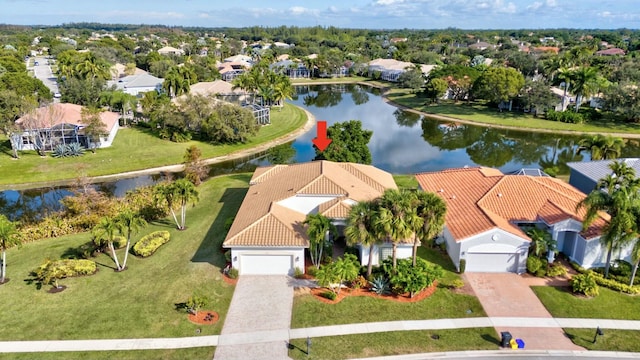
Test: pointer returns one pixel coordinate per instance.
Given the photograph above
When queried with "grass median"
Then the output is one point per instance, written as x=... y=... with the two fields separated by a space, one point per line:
x=133 y=149
x=139 y=302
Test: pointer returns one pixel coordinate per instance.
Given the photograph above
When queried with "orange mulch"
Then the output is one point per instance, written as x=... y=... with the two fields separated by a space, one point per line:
x=405 y=298
x=204 y=317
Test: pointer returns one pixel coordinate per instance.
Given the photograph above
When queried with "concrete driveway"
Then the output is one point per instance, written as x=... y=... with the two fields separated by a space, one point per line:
x=509 y=295
x=260 y=310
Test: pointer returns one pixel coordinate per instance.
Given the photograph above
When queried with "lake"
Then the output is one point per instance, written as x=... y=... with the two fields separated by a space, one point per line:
x=402 y=142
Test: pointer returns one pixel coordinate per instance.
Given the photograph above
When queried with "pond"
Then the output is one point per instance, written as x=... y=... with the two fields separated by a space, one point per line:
x=402 y=143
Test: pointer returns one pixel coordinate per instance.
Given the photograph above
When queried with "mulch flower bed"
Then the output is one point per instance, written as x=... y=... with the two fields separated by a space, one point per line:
x=204 y=317
x=229 y=280
x=405 y=298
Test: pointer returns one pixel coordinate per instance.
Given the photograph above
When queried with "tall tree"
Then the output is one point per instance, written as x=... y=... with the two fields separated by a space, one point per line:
x=319 y=228
x=601 y=147
x=194 y=168
x=615 y=195
x=9 y=236
x=185 y=192
x=584 y=83
x=106 y=230
x=361 y=228
x=348 y=143
x=395 y=216
x=94 y=128
x=130 y=223
x=432 y=210
x=498 y=84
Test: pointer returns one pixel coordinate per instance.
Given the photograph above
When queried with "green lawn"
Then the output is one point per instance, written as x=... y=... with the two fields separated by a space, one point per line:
x=139 y=302
x=395 y=343
x=406 y=181
x=203 y=353
x=309 y=312
x=483 y=114
x=612 y=340
x=133 y=149
x=608 y=305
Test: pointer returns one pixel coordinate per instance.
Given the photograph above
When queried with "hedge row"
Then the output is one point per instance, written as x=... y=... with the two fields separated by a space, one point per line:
x=65 y=268
x=608 y=283
x=150 y=243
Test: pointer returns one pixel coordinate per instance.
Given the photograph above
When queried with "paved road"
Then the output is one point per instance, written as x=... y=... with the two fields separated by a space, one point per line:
x=43 y=72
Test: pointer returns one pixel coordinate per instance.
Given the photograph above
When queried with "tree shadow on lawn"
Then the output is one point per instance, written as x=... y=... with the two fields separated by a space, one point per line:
x=490 y=338
x=210 y=248
x=5 y=147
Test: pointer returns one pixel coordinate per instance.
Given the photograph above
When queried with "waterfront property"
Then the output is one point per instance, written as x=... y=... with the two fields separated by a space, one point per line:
x=267 y=235
x=60 y=124
x=585 y=175
x=487 y=210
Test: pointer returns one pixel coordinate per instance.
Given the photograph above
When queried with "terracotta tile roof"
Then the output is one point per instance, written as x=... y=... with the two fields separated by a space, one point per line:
x=479 y=199
x=264 y=219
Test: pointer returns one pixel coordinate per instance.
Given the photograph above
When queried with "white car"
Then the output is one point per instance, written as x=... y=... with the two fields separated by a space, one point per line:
x=57 y=95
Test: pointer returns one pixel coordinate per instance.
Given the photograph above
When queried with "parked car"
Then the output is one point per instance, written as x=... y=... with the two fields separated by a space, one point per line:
x=37 y=63
x=57 y=95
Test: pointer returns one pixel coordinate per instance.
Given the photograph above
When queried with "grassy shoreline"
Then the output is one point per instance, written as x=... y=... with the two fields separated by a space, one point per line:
x=136 y=149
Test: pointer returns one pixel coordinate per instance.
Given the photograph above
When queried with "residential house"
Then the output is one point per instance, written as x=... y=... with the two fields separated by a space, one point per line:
x=610 y=52
x=391 y=69
x=585 y=175
x=220 y=89
x=61 y=123
x=169 y=50
x=268 y=237
x=240 y=59
x=119 y=70
x=293 y=69
x=231 y=70
x=138 y=84
x=487 y=209
x=481 y=45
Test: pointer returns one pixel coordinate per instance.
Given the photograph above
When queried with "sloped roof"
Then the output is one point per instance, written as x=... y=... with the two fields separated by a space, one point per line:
x=263 y=220
x=140 y=80
x=596 y=170
x=611 y=51
x=63 y=113
x=480 y=199
x=213 y=87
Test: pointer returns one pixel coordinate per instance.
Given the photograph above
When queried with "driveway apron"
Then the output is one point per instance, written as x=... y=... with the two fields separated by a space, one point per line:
x=258 y=321
x=508 y=295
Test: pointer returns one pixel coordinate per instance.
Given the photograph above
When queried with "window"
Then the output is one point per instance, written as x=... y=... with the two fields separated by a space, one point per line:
x=385 y=252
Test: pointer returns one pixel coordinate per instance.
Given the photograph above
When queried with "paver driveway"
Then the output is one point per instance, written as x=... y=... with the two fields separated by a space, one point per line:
x=261 y=311
x=508 y=295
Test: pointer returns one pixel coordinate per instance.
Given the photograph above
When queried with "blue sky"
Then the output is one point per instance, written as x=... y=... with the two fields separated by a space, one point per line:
x=387 y=14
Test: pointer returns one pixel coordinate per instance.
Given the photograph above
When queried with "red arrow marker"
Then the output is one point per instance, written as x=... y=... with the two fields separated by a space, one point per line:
x=321 y=141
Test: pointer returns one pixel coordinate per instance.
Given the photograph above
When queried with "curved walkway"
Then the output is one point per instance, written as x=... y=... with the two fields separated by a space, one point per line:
x=258 y=337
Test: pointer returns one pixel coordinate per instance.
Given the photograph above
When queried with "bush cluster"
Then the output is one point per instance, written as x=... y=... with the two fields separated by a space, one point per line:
x=567 y=116
x=150 y=243
x=329 y=295
x=51 y=271
x=608 y=283
x=585 y=284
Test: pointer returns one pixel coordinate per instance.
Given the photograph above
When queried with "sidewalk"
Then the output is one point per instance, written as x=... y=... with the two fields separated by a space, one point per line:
x=320 y=331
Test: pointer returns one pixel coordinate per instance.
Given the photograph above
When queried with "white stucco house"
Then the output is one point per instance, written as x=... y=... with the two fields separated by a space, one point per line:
x=137 y=84
x=268 y=237
x=485 y=209
x=60 y=123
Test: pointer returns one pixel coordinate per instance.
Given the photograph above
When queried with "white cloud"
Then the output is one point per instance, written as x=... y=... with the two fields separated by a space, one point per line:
x=299 y=10
x=388 y=2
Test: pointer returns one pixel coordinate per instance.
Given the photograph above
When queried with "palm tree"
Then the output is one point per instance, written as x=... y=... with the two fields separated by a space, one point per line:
x=615 y=194
x=432 y=210
x=9 y=236
x=394 y=218
x=584 y=83
x=130 y=221
x=92 y=68
x=283 y=89
x=601 y=147
x=360 y=228
x=541 y=241
x=319 y=228
x=185 y=192
x=635 y=259
x=165 y=196
x=106 y=229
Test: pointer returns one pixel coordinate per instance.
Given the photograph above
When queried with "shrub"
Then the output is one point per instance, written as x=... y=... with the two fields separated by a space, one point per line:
x=380 y=286
x=195 y=303
x=312 y=271
x=119 y=242
x=556 y=270
x=227 y=256
x=463 y=265
x=457 y=283
x=568 y=116
x=360 y=282
x=542 y=272
x=233 y=273
x=61 y=150
x=150 y=243
x=297 y=273
x=52 y=271
x=534 y=264
x=329 y=295
x=585 y=284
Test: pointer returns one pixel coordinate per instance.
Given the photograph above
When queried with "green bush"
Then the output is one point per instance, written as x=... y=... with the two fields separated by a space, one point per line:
x=312 y=271
x=568 y=116
x=608 y=283
x=585 y=284
x=463 y=265
x=195 y=303
x=556 y=270
x=51 y=271
x=233 y=273
x=150 y=243
x=119 y=242
x=297 y=273
x=360 y=282
x=534 y=264
x=329 y=295
x=457 y=283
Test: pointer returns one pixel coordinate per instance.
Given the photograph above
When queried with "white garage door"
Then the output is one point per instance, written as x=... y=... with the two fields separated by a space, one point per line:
x=491 y=262
x=266 y=265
